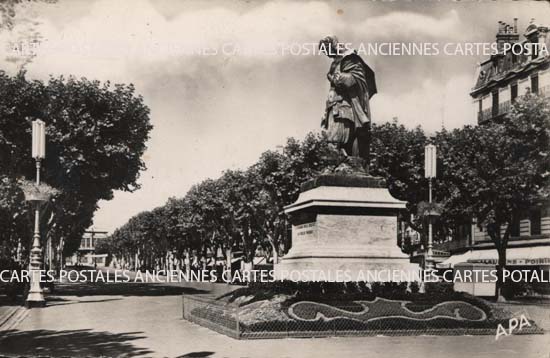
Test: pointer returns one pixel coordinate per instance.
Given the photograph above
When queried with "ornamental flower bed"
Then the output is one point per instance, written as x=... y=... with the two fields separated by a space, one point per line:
x=261 y=311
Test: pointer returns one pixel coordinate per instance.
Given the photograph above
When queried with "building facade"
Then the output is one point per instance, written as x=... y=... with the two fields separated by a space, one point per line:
x=521 y=66
x=86 y=253
x=502 y=79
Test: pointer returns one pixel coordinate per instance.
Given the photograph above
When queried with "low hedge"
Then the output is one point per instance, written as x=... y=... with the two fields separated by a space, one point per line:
x=391 y=324
x=328 y=290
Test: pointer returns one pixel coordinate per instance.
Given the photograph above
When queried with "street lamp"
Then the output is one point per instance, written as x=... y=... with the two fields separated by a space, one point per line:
x=35 y=297
x=430 y=170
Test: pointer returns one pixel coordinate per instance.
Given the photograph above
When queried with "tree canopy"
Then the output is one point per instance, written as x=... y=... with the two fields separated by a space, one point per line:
x=491 y=173
x=243 y=209
x=495 y=173
x=95 y=133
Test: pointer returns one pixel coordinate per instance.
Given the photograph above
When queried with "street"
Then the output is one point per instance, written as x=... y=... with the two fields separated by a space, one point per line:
x=127 y=320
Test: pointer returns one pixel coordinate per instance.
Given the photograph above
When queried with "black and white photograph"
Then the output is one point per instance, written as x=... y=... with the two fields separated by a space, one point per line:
x=275 y=178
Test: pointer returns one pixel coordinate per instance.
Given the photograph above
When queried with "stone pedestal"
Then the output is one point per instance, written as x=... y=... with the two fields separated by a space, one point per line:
x=344 y=228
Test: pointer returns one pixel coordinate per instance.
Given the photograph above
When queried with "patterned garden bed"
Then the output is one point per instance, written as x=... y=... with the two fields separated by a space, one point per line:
x=277 y=318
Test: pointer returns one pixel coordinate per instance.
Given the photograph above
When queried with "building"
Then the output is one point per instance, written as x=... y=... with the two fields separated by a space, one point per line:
x=521 y=66
x=502 y=78
x=86 y=255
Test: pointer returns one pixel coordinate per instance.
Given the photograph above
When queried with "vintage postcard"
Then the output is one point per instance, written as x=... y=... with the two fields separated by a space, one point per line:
x=236 y=178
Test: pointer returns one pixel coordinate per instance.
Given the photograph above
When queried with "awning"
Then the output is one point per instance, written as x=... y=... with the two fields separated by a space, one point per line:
x=515 y=256
x=455 y=259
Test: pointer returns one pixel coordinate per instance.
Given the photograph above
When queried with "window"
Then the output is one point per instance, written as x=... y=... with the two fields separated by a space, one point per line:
x=514 y=231
x=535 y=84
x=514 y=91
x=478 y=108
x=534 y=219
x=495 y=103
x=464 y=232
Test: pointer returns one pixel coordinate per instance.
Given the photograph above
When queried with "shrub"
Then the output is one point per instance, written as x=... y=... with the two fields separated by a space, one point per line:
x=414 y=287
x=327 y=291
x=439 y=289
x=512 y=289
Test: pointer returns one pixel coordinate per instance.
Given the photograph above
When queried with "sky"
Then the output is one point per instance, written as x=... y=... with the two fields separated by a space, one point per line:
x=218 y=93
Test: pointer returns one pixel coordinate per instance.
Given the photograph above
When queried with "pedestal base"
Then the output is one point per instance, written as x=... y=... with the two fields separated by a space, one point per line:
x=35 y=304
x=345 y=269
x=35 y=297
x=344 y=228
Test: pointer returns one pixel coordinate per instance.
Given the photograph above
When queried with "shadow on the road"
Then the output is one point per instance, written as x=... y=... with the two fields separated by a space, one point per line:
x=6 y=301
x=196 y=354
x=83 y=342
x=122 y=289
x=58 y=301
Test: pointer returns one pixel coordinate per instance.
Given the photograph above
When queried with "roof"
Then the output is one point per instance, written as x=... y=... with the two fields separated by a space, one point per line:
x=503 y=67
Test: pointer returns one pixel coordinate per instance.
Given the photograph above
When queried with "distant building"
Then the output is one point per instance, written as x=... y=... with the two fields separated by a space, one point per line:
x=86 y=253
x=502 y=78
x=512 y=73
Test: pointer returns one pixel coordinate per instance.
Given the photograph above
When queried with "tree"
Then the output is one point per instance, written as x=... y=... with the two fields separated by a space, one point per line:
x=280 y=175
x=14 y=214
x=398 y=156
x=96 y=135
x=270 y=172
x=494 y=173
x=174 y=210
x=244 y=209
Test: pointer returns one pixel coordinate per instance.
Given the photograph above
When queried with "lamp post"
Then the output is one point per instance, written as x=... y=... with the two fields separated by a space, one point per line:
x=430 y=168
x=35 y=297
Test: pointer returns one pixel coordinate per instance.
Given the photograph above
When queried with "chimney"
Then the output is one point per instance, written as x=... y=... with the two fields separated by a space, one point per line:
x=506 y=34
x=515 y=25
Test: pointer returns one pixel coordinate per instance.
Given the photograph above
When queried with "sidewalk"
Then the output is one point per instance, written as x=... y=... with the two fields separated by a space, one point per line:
x=10 y=313
x=142 y=289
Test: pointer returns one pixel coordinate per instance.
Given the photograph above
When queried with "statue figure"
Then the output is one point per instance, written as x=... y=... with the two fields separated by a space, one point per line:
x=347 y=117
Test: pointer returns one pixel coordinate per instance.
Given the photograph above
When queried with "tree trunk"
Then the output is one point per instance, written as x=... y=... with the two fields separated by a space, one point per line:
x=500 y=272
x=275 y=257
x=228 y=257
x=501 y=244
x=136 y=261
x=248 y=249
x=205 y=257
x=187 y=263
x=61 y=260
x=274 y=250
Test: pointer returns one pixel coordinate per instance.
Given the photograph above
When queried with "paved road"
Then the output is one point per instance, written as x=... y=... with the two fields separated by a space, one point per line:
x=146 y=321
x=539 y=312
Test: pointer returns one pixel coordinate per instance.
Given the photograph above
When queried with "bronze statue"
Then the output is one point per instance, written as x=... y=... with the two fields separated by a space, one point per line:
x=347 y=116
